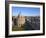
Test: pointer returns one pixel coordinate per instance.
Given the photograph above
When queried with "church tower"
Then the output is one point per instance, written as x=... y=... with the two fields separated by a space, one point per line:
x=20 y=20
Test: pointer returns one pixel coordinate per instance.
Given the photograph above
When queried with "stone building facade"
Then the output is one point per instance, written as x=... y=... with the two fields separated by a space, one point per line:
x=20 y=20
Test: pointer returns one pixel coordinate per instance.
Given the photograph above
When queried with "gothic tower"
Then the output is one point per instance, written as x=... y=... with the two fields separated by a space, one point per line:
x=20 y=20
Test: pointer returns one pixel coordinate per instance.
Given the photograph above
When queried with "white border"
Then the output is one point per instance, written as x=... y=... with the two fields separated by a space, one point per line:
x=25 y=32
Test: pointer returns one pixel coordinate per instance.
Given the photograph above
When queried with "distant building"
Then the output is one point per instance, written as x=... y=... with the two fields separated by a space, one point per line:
x=20 y=20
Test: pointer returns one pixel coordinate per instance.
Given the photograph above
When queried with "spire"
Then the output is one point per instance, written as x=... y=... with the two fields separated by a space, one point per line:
x=19 y=14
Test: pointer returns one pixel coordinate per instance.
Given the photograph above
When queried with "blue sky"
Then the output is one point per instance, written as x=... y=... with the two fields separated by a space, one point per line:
x=26 y=11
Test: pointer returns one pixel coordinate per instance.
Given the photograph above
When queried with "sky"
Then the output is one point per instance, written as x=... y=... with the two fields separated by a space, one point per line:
x=26 y=11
